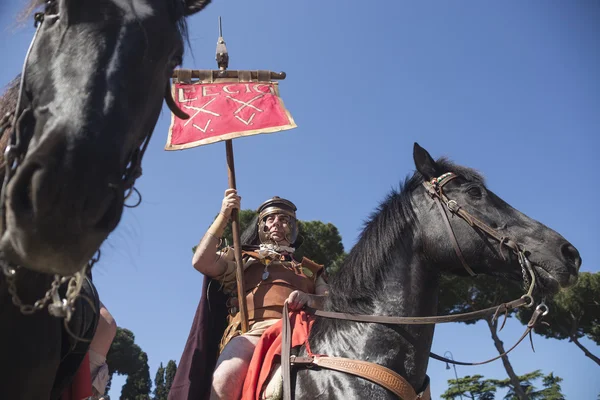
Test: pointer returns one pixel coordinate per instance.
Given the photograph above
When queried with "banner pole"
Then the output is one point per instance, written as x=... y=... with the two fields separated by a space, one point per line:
x=222 y=58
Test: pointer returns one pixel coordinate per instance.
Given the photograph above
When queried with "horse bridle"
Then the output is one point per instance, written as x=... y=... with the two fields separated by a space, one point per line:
x=433 y=188
x=15 y=153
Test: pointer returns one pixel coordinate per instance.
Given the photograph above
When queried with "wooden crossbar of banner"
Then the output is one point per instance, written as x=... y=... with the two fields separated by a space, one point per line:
x=230 y=74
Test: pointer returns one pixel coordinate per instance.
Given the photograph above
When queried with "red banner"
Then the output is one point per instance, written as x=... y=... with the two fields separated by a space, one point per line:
x=226 y=110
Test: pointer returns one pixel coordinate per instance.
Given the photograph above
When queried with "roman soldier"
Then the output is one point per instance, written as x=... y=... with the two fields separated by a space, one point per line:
x=271 y=276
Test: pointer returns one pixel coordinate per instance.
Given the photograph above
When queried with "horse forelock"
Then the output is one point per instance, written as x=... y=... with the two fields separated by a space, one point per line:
x=393 y=223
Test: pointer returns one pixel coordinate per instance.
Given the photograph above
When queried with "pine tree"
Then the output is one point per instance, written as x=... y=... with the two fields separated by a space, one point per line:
x=160 y=391
x=472 y=387
x=170 y=374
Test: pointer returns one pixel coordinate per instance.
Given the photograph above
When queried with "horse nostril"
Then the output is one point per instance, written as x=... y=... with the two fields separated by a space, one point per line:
x=25 y=188
x=571 y=254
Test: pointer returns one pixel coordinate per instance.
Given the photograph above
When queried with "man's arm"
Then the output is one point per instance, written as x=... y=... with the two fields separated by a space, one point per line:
x=206 y=259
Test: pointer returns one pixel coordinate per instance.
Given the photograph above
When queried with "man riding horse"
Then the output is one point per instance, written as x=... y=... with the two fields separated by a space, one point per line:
x=271 y=276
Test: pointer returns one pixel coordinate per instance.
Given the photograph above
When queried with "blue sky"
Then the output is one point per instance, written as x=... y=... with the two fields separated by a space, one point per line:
x=508 y=88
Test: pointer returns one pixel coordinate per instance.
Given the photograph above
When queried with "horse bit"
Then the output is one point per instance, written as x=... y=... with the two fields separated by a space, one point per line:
x=14 y=154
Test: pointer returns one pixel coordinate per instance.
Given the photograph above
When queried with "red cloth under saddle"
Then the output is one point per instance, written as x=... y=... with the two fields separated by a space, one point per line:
x=81 y=387
x=268 y=347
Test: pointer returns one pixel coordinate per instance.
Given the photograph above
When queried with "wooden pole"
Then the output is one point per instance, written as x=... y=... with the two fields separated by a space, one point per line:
x=237 y=245
x=223 y=61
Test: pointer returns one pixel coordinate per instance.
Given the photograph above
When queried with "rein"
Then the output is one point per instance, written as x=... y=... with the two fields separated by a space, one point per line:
x=384 y=376
x=14 y=155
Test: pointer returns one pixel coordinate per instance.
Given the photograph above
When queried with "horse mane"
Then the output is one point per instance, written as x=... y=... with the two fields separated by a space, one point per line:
x=392 y=223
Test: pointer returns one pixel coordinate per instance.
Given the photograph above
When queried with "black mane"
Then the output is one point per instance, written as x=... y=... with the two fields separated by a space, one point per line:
x=393 y=222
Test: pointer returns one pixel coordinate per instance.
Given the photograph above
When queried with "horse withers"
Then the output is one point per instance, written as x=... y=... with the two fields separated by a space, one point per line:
x=75 y=125
x=394 y=271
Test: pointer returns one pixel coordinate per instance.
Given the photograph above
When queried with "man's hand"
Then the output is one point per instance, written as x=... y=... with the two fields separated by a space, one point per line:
x=297 y=300
x=231 y=200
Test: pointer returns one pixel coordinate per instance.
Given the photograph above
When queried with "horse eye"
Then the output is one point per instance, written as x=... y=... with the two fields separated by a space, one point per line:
x=51 y=7
x=475 y=191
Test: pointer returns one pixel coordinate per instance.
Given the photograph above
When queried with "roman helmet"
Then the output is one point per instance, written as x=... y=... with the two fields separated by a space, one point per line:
x=277 y=205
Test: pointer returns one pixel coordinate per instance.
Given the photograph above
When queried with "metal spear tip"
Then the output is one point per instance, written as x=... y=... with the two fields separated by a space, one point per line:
x=222 y=56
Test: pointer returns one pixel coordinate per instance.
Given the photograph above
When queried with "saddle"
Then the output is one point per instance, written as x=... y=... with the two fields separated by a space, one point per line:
x=83 y=324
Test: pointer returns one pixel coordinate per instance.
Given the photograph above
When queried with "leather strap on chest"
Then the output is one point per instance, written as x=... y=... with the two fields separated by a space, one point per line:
x=375 y=373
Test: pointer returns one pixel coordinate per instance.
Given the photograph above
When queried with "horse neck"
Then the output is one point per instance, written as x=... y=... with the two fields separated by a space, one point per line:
x=409 y=288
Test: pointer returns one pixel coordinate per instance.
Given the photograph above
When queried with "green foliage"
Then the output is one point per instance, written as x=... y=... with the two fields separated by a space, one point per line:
x=476 y=388
x=137 y=385
x=127 y=358
x=473 y=387
x=461 y=294
x=170 y=374
x=574 y=312
x=246 y=217
x=526 y=385
x=552 y=389
x=123 y=356
x=160 y=392
x=551 y=386
x=163 y=380
x=322 y=243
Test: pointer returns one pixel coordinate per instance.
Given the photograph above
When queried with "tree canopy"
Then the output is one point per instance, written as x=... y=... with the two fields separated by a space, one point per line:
x=477 y=388
x=125 y=357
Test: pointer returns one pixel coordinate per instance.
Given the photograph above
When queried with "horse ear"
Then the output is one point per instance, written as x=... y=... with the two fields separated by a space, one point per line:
x=424 y=163
x=194 y=6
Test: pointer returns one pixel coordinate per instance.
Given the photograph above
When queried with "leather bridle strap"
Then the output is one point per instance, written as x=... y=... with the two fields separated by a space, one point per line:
x=456 y=246
x=434 y=190
x=538 y=313
x=524 y=300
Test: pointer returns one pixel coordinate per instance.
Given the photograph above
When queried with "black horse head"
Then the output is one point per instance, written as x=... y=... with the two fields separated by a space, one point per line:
x=555 y=261
x=394 y=270
x=91 y=92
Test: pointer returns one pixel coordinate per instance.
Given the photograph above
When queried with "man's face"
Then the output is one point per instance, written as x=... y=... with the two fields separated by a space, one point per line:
x=278 y=226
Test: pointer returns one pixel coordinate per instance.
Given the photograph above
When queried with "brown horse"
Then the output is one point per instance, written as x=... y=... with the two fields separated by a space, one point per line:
x=74 y=127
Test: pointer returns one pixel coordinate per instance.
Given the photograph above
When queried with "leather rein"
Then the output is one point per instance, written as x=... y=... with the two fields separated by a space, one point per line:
x=15 y=153
x=383 y=376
